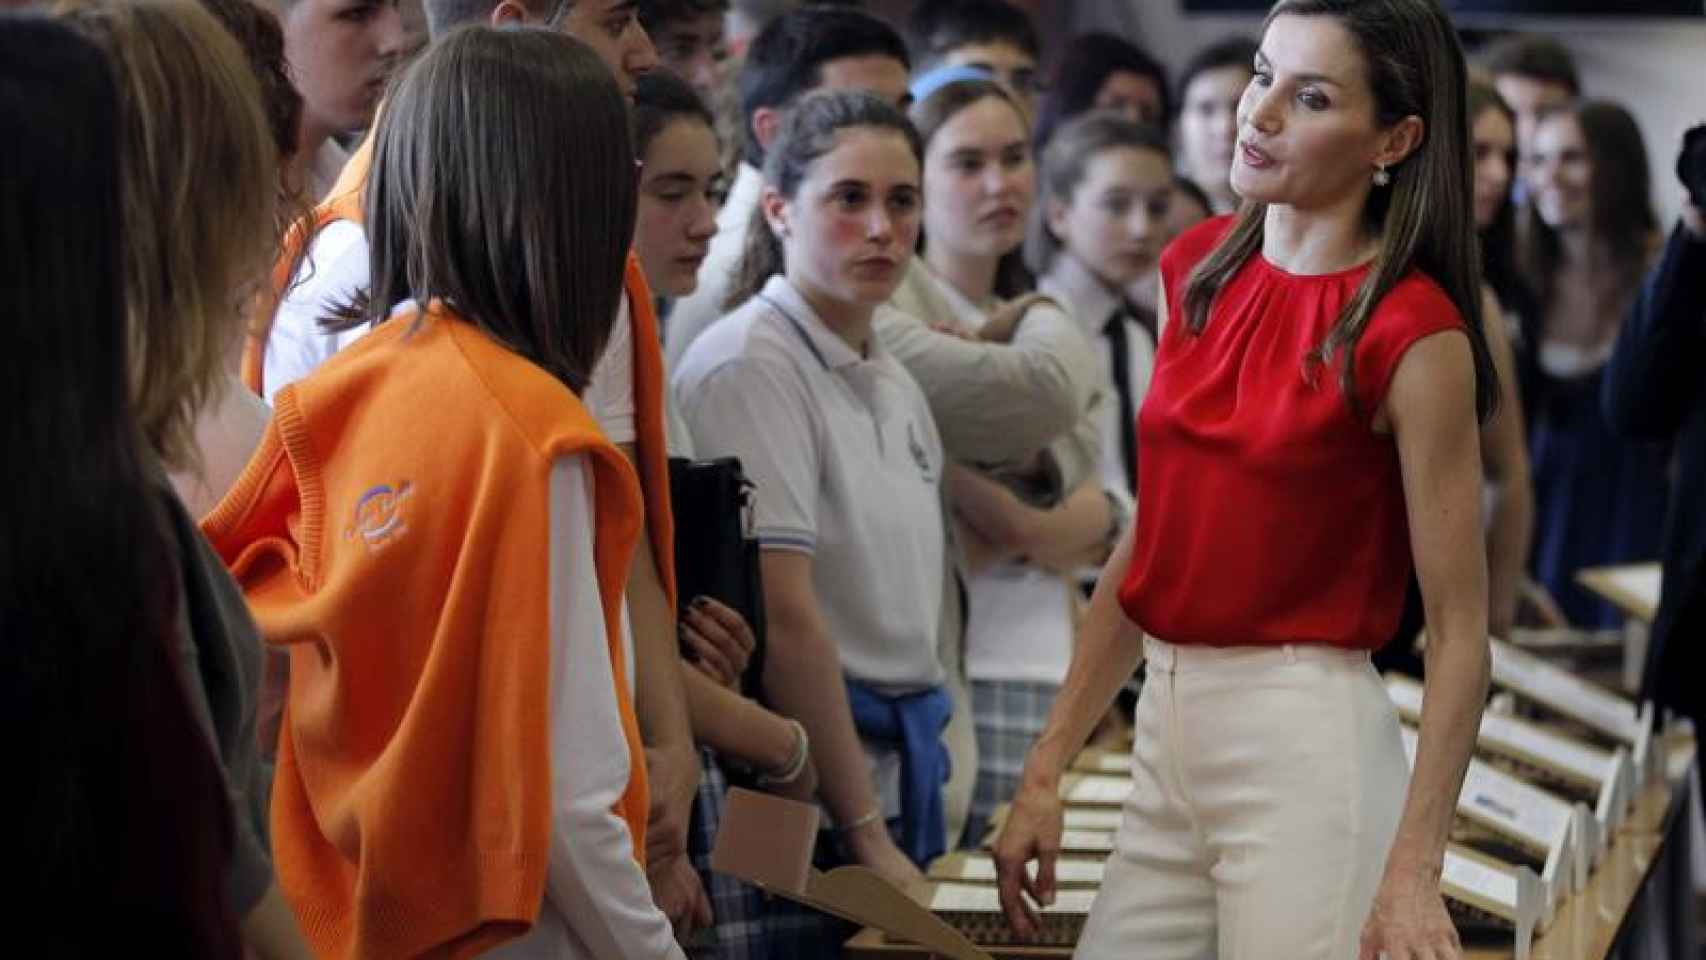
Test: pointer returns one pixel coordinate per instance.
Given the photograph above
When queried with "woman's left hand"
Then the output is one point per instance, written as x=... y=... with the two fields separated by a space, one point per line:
x=1409 y=920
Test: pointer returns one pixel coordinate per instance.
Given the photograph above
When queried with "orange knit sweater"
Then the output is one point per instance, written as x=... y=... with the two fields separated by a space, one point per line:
x=391 y=532
x=344 y=202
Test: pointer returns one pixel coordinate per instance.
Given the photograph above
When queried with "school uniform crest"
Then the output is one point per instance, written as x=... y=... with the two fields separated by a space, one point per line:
x=378 y=515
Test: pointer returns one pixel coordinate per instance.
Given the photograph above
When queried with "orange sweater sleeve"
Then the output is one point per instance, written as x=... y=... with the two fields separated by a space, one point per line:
x=404 y=573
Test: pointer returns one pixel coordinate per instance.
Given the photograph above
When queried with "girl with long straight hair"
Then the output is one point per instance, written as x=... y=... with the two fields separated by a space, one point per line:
x=847 y=463
x=200 y=168
x=1310 y=432
x=125 y=824
x=1583 y=244
x=437 y=530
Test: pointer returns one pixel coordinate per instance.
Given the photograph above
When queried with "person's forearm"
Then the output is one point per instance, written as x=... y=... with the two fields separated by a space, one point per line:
x=660 y=705
x=1458 y=666
x=996 y=403
x=1108 y=649
x=1504 y=456
x=734 y=726
x=802 y=675
x=1067 y=531
x=1075 y=529
x=271 y=932
x=1510 y=528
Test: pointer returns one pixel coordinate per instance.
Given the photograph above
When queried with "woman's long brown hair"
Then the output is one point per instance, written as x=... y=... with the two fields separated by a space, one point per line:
x=1425 y=219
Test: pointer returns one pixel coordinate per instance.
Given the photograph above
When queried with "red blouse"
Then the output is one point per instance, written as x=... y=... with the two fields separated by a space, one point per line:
x=1269 y=512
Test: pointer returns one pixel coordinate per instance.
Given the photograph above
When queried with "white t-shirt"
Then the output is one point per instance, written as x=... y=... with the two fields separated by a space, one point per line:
x=610 y=393
x=597 y=902
x=329 y=277
x=847 y=465
x=1092 y=303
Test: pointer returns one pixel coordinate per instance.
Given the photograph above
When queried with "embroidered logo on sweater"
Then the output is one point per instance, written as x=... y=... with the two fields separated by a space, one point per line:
x=919 y=456
x=378 y=516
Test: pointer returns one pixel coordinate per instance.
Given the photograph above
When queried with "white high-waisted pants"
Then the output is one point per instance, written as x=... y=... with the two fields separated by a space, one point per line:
x=1267 y=785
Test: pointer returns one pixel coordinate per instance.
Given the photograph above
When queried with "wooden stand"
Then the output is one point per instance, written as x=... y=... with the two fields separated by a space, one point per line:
x=1584 y=928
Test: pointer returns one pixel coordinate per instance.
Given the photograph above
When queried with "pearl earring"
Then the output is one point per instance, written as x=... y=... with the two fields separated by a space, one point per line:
x=1381 y=177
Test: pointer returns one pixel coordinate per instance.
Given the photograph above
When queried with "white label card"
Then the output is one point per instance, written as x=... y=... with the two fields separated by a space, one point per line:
x=1493 y=796
x=980 y=868
x=1082 y=818
x=1099 y=789
x=983 y=898
x=1567 y=755
x=1113 y=763
x=1565 y=692
x=1472 y=876
x=1089 y=841
x=1507 y=735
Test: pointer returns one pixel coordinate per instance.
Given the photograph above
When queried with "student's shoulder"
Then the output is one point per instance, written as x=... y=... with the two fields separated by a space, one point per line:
x=753 y=337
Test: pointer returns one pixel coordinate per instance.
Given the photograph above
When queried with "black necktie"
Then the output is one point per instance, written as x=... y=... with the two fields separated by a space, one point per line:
x=1119 y=350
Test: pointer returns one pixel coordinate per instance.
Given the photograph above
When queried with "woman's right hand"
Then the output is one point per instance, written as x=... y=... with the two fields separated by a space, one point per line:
x=873 y=848
x=1032 y=832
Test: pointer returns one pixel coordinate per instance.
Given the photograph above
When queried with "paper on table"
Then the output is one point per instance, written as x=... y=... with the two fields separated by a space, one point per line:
x=1478 y=878
x=1563 y=691
x=1113 y=763
x=980 y=868
x=1507 y=734
x=1098 y=788
x=1577 y=759
x=1082 y=818
x=982 y=898
x=1088 y=841
x=1528 y=812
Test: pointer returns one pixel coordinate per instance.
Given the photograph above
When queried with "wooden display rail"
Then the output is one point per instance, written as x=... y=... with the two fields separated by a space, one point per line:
x=1633 y=587
x=1585 y=927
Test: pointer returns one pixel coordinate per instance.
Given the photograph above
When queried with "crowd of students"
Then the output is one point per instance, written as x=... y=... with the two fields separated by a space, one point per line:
x=339 y=560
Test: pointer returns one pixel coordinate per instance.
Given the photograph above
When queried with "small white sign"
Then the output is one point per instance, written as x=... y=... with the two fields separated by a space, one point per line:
x=980 y=868
x=1099 y=789
x=952 y=897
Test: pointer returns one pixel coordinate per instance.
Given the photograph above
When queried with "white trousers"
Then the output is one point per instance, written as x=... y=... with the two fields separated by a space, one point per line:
x=1267 y=786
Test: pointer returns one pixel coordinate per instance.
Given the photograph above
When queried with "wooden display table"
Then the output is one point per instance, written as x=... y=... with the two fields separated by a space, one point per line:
x=1586 y=926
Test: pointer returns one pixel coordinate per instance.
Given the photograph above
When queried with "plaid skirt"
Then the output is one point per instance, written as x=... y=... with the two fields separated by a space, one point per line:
x=738 y=928
x=1008 y=714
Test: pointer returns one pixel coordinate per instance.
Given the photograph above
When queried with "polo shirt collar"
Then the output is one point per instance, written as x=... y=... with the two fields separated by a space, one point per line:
x=1088 y=297
x=821 y=342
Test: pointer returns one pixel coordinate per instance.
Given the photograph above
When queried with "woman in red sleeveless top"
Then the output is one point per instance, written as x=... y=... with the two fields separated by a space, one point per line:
x=1309 y=434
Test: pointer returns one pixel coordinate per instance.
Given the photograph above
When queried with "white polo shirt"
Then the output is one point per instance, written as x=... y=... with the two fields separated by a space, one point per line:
x=847 y=464
x=1090 y=300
